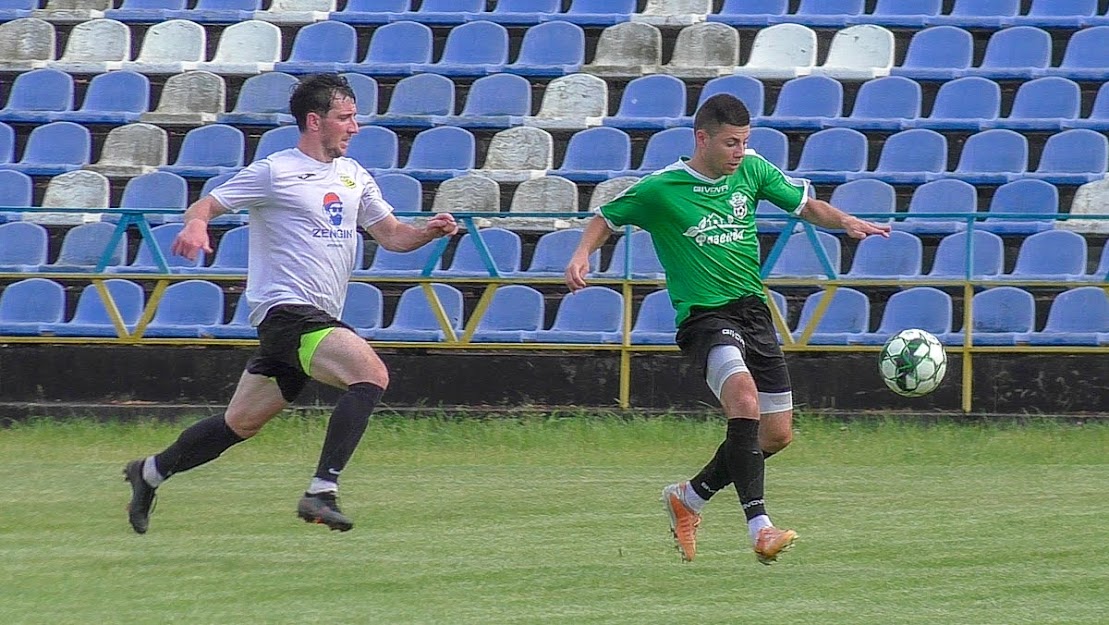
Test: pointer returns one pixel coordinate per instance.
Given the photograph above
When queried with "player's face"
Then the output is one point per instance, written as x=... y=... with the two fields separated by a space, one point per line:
x=338 y=126
x=723 y=148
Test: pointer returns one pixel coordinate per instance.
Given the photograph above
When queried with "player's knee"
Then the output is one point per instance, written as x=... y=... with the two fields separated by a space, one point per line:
x=776 y=439
x=242 y=423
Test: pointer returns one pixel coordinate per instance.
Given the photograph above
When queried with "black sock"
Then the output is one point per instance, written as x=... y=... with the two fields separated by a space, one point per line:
x=345 y=428
x=201 y=442
x=745 y=464
x=766 y=454
x=713 y=477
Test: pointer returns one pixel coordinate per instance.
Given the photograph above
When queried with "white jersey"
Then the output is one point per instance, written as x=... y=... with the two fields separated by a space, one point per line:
x=303 y=227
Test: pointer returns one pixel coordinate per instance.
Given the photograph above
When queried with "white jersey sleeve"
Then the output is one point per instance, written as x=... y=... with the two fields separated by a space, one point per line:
x=249 y=188
x=373 y=207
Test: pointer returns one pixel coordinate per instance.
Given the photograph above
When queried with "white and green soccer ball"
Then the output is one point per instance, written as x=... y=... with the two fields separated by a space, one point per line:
x=912 y=363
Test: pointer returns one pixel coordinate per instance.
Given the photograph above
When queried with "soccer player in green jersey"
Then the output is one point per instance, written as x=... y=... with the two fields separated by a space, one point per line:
x=701 y=215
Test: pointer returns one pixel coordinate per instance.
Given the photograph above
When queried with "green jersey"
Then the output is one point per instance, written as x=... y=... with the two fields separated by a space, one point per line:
x=704 y=230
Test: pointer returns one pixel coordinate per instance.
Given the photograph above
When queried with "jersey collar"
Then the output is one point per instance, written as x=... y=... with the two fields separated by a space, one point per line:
x=683 y=163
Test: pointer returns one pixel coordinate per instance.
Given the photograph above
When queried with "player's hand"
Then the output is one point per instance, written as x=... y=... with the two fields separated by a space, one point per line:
x=576 y=272
x=859 y=229
x=441 y=225
x=191 y=240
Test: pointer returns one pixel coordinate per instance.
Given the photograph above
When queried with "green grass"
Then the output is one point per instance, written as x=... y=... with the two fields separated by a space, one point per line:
x=543 y=520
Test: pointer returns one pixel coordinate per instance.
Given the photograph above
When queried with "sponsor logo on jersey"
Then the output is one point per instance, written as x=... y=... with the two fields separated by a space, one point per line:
x=716 y=230
x=347 y=181
x=717 y=190
x=305 y=176
x=333 y=206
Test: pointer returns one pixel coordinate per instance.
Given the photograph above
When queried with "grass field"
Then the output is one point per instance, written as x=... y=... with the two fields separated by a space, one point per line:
x=545 y=520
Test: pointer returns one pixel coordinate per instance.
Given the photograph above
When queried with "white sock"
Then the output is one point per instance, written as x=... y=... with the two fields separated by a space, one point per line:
x=692 y=499
x=756 y=524
x=150 y=473
x=322 y=486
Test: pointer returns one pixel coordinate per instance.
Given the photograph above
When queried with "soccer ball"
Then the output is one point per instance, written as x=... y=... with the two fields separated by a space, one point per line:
x=912 y=363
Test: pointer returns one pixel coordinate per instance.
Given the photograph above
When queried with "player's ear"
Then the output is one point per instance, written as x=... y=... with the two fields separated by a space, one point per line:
x=312 y=121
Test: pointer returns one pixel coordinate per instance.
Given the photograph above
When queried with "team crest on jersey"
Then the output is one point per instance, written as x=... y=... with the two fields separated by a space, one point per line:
x=738 y=202
x=333 y=206
x=347 y=181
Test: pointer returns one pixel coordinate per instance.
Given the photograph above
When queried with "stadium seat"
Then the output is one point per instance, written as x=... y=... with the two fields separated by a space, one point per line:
x=832 y=154
x=804 y=103
x=297 y=11
x=440 y=153
x=497 y=101
x=163 y=237
x=865 y=196
x=1022 y=196
x=373 y=11
x=17 y=9
x=939 y=196
x=91 y=318
x=1084 y=58
x=170 y=48
x=247 y=47
x=650 y=103
x=552 y=253
x=515 y=311
x=1060 y=14
x=146 y=11
x=231 y=255
x=518 y=154
x=987 y=14
x=594 y=314
x=750 y=12
x=23 y=246
x=472 y=49
x=388 y=264
x=275 y=140
x=937 y=53
x=7 y=144
x=991 y=157
x=1014 y=53
x=643 y=263
x=673 y=12
x=1076 y=317
x=770 y=144
x=219 y=11
x=209 y=151
x=75 y=189
x=83 y=247
x=415 y=319
x=545 y=194
x=418 y=101
x=1048 y=103
x=904 y=13
x=859 y=52
x=503 y=247
x=403 y=192
x=1001 y=315
x=922 y=307
x=117 y=97
x=1050 y=255
x=1099 y=114
x=597 y=12
x=443 y=12
x=189 y=99
x=237 y=328
x=16 y=189
x=54 y=148
x=157 y=189
x=962 y=104
x=36 y=95
x=27 y=304
x=550 y=49
x=365 y=93
x=1072 y=157
x=263 y=101
x=375 y=148
x=396 y=50
x=909 y=157
x=321 y=47
x=627 y=50
x=823 y=13
x=470 y=193
x=592 y=155
x=231 y=218
x=749 y=90
x=950 y=261
x=26 y=43
x=664 y=149
x=362 y=309
x=846 y=317
x=897 y=257
x=798 y=259
x=185 y=308
x=132 y=150
x=654 y=323
x=781 y=52
x=571 y=102
x=704 y=50
x=521 y=12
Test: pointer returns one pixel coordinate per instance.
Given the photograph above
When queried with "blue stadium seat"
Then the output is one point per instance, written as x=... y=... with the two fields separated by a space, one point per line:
x=643 y=263
x=231 y=256
x=1001 y=315
x=374 y=147
x=83 y=246
x=231 y=218
x=1073 y=157
x=504 y=248
x=238 y=328
x=1060 y=14
x=865 y=196
x=749 y=90
x=909 y=157
x=440 y=153
x=750 y=12
x=209 y=151
x=593 y=155
x=991 y=157
x=1042 y=104
x=804 y=103
x=950 y=261
x=403 y=192
x=497 y=101
x=146 y=11
x=597 y=12
x=846 y=317
x=921 y=307
x=937 y=53
x=550 y=49
x=799 y=260
x=515 y=311
x=1050 y=255
x=654 y=323
x=444 y=12
x=946 y=195
x=882 y=104
x=907 y=13
x=363 y=308
x=521 y=12
x=594 y=314
x=17 y=9
x=55 y=148
x=663 y=149
x=185 y=308
x=163 y=237
x=472 y=49
x=552 y=253
x=899 y=256
x=321 y=47
x=16 y=190
x=263 y=101
x=1022 y=196
x=365 y=93
x=23 y=246
x=91 y=317
x=832 y=154
x=1014 y=53
x=417 y=100
x=373 y=11
x=1103 y=265
x=415 y=320
x=157 y=189
x=396 y=49
x=962 y=104
x=7 y=144
x=1076 y=317
x=274 y=140
x=991 y=14
x=218 y=11
x=388 y=264
x=823 y=13
x=1097 y=120
x=37 y=95
x=27 y=304
x=1084 y=58
x=650 y=102
x=116 y=97
x=771 y=144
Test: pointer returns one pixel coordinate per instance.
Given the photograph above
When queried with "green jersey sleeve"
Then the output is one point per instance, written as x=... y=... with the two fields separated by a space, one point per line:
x=625 y=209
x=788 y=194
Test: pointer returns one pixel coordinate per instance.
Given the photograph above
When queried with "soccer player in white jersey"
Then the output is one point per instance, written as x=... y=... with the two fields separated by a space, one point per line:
x=305 y=206
x=701 y=215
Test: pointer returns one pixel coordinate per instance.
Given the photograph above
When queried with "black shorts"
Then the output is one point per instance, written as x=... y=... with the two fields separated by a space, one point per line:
x=745 y=323
x=279 y=342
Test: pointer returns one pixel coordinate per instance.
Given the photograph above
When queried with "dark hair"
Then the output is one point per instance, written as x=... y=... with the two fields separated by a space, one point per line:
x=719 y=110
x=315 y=93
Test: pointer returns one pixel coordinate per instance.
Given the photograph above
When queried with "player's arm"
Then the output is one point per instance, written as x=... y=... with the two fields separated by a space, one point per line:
x=594 y=236
x=397 y=236
x=823 y=214
x=194 y=236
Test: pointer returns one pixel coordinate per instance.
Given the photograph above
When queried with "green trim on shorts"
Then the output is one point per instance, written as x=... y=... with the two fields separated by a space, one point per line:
x=308 y=345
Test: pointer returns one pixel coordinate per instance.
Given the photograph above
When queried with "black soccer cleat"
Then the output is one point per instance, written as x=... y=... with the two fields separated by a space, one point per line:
x=323 y=508
x=142 y=497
